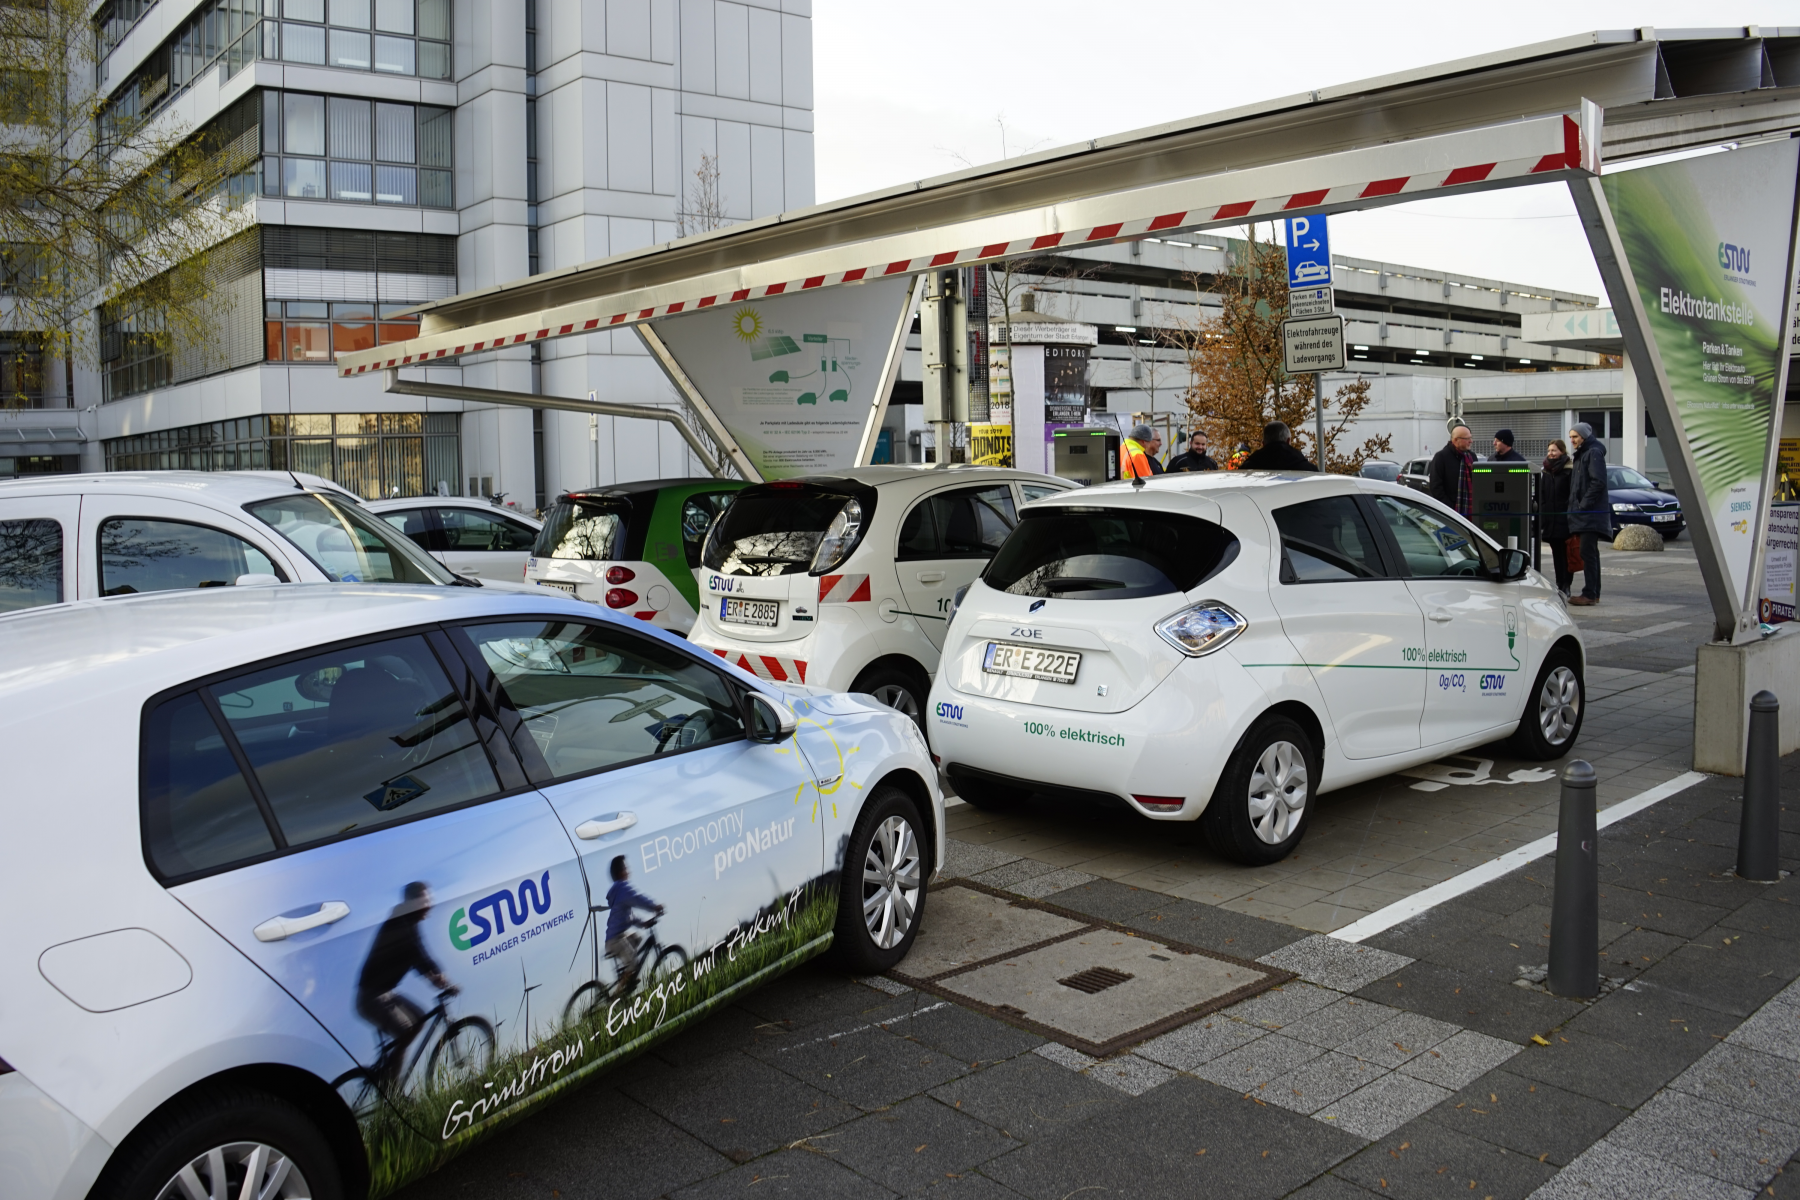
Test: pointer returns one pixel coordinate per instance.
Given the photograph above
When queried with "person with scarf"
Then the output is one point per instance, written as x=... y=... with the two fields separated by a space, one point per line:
x=1553 y=514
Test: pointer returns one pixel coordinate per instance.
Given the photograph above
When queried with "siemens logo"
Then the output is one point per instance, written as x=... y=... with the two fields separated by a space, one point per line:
x=950 y=711
x=1493 y=683
x=1734 y=258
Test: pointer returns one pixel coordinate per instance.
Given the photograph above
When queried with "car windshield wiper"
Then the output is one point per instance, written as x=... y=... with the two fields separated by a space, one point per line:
x=1082 y=583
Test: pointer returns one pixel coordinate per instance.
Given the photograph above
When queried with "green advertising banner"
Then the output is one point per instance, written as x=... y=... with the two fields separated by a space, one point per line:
x=1701 y=274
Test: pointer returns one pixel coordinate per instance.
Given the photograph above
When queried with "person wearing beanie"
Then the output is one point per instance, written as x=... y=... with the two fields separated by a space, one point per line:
x=1277 y=453
x=1137 y=457
x=1503 y=447
x=1590 y=507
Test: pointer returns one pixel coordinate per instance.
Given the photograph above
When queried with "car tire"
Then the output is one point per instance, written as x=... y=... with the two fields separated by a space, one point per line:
x=1553 y=710
x=1264 y=800
x=895 y=687
x=881 y=888
x=233 y=1129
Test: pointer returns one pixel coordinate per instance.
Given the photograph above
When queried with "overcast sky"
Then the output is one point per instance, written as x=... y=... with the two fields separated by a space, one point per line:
x=904 y=92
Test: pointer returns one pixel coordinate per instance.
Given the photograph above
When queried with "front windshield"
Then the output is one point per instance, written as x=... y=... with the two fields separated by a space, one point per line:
x=1625 y=477
x=347 y=543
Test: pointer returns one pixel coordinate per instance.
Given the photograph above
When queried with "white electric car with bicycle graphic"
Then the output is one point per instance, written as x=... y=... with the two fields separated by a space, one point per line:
x=365 y=870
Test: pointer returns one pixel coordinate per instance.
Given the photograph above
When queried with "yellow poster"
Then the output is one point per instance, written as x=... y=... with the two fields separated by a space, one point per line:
x=1787 y=470
x=992 y=446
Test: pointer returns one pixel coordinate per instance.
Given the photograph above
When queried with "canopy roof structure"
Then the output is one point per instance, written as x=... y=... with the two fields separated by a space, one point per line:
x=1554 y=110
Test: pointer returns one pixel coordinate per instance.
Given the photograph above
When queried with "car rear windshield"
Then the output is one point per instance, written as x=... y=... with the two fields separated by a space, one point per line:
x=588 y=528
x=1108 y=554
x=776 y=529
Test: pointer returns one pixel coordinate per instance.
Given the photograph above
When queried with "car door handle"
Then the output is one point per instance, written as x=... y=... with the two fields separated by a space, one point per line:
x=931 y=576
x=277 y=928
x=601 y=826
x=1440 y=616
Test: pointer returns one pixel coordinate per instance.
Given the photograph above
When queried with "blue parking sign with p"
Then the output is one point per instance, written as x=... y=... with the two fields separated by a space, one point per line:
x=1308 y=252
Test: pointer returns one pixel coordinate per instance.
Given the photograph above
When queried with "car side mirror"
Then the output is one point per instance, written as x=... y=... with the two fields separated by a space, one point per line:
x=770 y=723
x=1513 y=564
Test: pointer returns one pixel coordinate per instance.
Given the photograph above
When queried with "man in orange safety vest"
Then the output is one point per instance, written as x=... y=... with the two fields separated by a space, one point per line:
x=1137 y=456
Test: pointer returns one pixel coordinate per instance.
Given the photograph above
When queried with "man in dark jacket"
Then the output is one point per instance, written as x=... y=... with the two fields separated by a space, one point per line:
x=1503 y=447
x=1277 y=453
x=1194 y=458
x=1449 y=480
x=1590 y=507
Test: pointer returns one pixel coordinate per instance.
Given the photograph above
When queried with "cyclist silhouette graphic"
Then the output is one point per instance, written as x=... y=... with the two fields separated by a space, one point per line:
x=622 y=899
x=398 y=951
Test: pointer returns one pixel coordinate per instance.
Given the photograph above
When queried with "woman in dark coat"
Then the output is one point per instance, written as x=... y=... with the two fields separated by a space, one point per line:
x=1553 y=507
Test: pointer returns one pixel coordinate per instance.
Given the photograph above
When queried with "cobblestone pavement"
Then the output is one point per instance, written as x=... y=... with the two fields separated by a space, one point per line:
x=1414 y=1065
x=1378 y=841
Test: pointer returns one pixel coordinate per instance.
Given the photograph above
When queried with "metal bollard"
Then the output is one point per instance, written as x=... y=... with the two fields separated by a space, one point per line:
x=1759 y=833
x=1575 y=909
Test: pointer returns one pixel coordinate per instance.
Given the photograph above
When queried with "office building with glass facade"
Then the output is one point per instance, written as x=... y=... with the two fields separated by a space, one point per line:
x=381 y=154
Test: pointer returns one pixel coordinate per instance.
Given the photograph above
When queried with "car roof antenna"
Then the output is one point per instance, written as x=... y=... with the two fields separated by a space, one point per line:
x=1137 y=481
x=298 y=486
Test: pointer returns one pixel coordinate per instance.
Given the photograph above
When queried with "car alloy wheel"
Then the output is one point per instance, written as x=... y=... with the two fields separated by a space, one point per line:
x=891 y=882
x=1559 y=705
x=1278 y=790
x=238 y=1171
x=898 y=698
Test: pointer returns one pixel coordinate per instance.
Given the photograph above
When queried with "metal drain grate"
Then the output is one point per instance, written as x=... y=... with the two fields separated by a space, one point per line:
x=1095 y=979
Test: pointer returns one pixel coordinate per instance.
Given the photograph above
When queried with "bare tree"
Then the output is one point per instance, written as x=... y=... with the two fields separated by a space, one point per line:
x=703 y=207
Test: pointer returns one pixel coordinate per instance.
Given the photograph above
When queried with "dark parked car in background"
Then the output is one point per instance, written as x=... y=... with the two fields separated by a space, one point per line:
x=1387 y=472
x=1638 y=500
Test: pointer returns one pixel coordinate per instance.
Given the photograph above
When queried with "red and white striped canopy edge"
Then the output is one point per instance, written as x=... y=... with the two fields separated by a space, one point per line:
x=1576 y=154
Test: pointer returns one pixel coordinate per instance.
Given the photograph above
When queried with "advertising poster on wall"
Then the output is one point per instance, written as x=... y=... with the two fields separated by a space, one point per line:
x=793 y=378
x=1704 y=247
x=1782 y=542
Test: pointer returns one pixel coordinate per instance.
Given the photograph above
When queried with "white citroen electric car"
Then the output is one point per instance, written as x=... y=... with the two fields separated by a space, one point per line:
x=846 y=580
x=326 y=882
x=1223 y=647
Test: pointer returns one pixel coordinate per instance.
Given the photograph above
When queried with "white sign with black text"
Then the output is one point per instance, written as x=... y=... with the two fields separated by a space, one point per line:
x=1311 y=302
x=1312 y=344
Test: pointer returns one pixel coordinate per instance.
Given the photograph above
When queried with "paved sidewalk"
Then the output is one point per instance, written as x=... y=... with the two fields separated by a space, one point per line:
x=1412 y=1067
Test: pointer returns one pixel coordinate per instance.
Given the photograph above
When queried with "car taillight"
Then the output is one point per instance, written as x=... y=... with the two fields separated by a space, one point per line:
x=618 y=575
x=620 y=597
x=1201 y=628
x=1159 y=803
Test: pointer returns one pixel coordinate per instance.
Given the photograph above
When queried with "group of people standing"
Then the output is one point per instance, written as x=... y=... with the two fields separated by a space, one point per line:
x=1137 y=455
x=1574 y=509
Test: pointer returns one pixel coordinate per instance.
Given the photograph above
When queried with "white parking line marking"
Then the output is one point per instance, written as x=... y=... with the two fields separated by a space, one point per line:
x=1512 y=860
x=917 y=1012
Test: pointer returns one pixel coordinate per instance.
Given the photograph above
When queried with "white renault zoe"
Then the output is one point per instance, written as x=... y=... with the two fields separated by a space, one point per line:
x=1223 y=647
x=318 y=884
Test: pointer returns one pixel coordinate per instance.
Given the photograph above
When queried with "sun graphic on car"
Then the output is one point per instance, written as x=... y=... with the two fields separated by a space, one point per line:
x=747 y=324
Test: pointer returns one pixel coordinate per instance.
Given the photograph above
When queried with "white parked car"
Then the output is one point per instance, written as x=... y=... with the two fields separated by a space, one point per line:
x=77 y=537
x=471 y=536
x=1224 y=647
x=845 y=580
x=360 y=873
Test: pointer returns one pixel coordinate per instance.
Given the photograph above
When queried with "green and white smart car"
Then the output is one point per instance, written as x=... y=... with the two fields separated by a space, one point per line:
x=634 y=547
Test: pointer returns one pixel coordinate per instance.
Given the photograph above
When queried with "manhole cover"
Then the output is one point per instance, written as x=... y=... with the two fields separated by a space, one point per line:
x=1096 y=979
x=1091 y=985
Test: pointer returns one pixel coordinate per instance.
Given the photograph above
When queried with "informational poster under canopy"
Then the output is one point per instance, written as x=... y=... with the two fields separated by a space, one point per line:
x=1697 y=255
x=795 y=378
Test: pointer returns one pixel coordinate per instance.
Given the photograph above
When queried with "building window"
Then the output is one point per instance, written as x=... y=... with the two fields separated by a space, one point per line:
x=372 y=454
x=393 y=37
x=357 y=151
x=317 y=331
